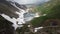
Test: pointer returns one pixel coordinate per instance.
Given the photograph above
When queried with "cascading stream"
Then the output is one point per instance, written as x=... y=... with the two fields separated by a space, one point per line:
x=24 y=15
x=21 y=20
x=21 y=16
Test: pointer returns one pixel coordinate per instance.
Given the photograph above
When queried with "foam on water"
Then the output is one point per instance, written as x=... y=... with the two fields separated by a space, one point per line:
x=36 y=29
x=21 y=20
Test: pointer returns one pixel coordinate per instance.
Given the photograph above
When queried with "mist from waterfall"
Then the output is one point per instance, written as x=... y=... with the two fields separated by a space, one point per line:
x=31 y=1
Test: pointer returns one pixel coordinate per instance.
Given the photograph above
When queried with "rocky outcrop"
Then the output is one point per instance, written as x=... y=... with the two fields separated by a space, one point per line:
x=8 y=8
x=6 y=26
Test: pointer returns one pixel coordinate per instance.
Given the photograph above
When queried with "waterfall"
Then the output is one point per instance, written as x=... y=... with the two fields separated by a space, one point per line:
x=21 y=20
x=24 y=16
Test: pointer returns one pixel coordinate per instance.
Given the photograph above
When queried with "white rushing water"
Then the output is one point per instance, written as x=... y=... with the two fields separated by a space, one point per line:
x=24 y=16
x=38 y=28
x=21 y=20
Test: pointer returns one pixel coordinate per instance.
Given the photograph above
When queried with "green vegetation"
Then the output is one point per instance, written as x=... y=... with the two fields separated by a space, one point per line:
x=52 y=9
x=38 y=21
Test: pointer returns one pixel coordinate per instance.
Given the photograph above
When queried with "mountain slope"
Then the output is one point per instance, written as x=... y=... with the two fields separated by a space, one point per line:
x=52 y=9
x=9 y=8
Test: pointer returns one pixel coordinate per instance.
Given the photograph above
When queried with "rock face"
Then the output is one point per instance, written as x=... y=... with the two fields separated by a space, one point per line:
x=6 y=7
x=21 y=6
x=6 y=26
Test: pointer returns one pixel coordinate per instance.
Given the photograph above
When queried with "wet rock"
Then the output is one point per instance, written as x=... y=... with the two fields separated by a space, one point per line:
x=6 y=26
x=7 y=8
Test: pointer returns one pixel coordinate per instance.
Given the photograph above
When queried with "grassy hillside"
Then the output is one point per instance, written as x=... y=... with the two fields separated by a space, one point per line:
x=51 y=8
